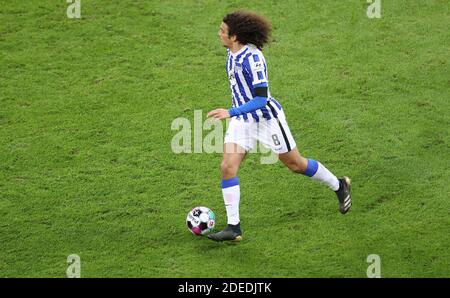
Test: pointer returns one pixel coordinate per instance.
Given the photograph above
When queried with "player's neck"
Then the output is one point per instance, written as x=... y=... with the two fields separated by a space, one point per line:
x=236 y=47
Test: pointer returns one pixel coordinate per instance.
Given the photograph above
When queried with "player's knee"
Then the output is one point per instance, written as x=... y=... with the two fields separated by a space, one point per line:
x=227 y=168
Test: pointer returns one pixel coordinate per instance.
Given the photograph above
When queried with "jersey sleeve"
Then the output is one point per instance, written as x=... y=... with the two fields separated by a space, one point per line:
x=255 y=67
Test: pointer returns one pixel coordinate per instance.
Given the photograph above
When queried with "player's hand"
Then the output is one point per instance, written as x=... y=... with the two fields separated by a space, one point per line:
x=219 y=114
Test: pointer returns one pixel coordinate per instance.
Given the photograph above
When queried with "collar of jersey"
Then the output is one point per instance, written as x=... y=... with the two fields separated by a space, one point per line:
x=240 y=51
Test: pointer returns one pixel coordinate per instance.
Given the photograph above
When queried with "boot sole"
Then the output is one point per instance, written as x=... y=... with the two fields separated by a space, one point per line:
x=349 y=182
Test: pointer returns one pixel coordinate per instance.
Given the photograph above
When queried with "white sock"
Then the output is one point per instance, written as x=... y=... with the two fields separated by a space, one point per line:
x=318 y=172
x=231 y=197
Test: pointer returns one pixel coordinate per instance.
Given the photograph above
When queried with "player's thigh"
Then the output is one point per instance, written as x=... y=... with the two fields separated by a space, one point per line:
x=238 y=141
x=275 y=134
x=240 y=133
x=233 y=154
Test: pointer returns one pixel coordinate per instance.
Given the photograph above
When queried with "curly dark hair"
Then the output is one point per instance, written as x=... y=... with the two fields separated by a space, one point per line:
x=249 y=27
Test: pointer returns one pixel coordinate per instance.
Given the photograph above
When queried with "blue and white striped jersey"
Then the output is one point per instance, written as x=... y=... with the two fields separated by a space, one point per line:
x=246 y=71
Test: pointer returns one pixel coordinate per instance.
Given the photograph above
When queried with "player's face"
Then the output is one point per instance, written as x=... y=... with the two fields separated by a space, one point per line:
x=223 y=34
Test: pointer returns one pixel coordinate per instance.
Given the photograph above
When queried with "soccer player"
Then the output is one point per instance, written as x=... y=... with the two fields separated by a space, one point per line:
x=257 y=116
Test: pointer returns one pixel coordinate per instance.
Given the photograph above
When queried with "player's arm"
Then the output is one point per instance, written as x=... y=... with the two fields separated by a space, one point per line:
x=258 y=102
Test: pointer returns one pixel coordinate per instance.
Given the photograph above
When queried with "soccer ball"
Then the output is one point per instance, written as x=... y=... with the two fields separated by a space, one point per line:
x=200 y=220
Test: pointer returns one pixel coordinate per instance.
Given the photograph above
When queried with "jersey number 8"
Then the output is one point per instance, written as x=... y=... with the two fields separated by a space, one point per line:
x=275 y=140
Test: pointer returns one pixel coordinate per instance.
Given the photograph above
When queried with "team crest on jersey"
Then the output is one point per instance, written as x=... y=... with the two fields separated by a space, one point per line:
x=232 y=78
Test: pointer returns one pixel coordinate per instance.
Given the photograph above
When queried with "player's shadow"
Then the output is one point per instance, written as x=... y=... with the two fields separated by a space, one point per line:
x=208 y=244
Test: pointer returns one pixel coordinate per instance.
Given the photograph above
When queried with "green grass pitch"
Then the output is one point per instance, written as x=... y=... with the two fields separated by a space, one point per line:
x=86 y=166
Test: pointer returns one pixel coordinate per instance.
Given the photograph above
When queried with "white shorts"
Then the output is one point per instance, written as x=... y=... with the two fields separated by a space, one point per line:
x=274 y=133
